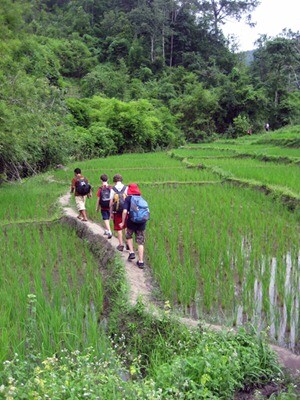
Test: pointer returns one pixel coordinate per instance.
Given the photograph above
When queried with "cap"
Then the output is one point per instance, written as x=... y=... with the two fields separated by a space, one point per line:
x=133 y=190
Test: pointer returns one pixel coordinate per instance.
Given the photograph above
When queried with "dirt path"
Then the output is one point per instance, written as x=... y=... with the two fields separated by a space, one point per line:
x=139 y=282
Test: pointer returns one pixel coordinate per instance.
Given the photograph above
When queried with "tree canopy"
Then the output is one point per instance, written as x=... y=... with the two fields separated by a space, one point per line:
x=87 y=78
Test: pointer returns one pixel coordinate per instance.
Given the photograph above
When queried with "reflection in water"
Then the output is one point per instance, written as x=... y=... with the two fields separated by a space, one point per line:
x=282 y=317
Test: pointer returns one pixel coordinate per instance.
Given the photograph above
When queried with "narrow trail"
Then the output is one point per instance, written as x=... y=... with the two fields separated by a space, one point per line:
x=140 y=287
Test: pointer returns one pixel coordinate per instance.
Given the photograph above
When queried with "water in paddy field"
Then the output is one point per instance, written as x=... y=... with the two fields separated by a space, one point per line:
x=281 y=315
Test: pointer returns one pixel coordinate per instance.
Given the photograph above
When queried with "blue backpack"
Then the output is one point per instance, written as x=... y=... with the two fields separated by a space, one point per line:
x=139 y=210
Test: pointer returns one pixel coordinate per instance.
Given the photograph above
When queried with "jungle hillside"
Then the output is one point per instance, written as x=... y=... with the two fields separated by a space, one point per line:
x=83 y=79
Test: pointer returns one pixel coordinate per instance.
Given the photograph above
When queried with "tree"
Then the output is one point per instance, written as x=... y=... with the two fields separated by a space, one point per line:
x=277 y=65
x=217 y=11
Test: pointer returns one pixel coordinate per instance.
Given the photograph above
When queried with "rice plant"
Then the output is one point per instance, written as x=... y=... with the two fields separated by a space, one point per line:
x=214 y=245
x=50 y=264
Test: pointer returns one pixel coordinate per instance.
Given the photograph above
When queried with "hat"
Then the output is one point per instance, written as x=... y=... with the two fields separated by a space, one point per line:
x=133 y=190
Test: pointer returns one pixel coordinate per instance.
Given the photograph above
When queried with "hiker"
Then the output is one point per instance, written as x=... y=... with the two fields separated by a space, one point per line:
x=267 y=127
x=81 y=189
x=135 y=215
x=118 y=194
x=103 y=200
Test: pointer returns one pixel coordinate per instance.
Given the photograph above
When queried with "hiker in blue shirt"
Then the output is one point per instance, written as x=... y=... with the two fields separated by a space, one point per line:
x=137 y=228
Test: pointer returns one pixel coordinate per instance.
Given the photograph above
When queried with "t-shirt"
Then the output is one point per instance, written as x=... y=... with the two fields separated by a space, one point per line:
x=132 y=225
x=98 y=195
x=73 y=184
x=119 y=186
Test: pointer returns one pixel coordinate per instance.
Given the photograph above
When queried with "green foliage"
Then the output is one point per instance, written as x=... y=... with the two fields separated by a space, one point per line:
x=191 y=363
x=108 y=80
x=273 y=62
x=218 y=366
x=196 y=107
x=75 y=57
x=65 y=375
x=10 y=18
x=241 y=126
x=164 y=52
x=125 y=127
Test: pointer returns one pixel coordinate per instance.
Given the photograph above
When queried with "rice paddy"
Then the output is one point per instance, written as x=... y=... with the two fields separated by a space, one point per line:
x=222 y=253
x=50 y=283
x=284 y=176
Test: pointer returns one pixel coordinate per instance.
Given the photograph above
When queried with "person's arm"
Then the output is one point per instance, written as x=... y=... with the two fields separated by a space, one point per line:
x=124 y=215
x=125 y=211
x=72 y=186
x=111 y=201
x=111 y=208
x=98 y=201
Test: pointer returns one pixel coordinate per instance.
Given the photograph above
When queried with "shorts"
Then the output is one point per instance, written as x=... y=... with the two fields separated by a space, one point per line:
x=139 y=235
x=80 y=202
x=105 y=214
x=117 y=221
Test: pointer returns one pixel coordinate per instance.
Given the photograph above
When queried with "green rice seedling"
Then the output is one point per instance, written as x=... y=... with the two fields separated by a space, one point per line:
x=51 y=263
x=137 y=160
x=204 y=152
x=163 y=175
x=30 y=200
x=213 y=265
x=284 y=176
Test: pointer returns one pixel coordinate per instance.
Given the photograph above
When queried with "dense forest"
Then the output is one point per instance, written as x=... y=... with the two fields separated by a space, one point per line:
x=89 y=78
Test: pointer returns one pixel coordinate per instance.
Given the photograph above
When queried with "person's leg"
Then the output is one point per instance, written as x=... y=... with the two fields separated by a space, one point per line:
x=140 y=239
x=107 y=225
x=141 y=253
x=120 y=237
x=80 y=204
x=117 y=221
x=84 y=215
x=106 y=220
x=130 y=245
x=129 y=242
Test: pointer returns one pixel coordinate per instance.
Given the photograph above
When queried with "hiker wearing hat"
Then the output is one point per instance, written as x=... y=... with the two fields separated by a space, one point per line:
x=135 y=215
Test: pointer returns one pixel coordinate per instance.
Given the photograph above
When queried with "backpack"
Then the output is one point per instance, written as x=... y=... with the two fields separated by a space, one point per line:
x=82 y=187
x=118 y=199
x=139 y=210
x=104 y=196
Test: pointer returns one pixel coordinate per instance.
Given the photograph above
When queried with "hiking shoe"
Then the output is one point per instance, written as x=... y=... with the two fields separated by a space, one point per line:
x=120 y=247
x=106 y=233
x=140 y=264
x=131 y=256
x=109 y=235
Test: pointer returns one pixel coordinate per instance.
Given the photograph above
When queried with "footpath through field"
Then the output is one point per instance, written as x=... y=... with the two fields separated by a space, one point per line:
x=140 y=287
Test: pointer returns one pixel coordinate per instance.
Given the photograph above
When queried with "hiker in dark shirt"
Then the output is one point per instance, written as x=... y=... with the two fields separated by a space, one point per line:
x=102 y=204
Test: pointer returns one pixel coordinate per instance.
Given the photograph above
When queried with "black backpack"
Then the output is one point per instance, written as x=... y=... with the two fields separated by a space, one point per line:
x=82 y=187
x=104 y=196
x=118 y=199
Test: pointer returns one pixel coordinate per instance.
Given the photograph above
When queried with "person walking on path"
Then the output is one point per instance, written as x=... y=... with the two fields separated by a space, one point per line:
x=81 y=189
x=118 y=194
x=103 y=202
x=133 y=227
